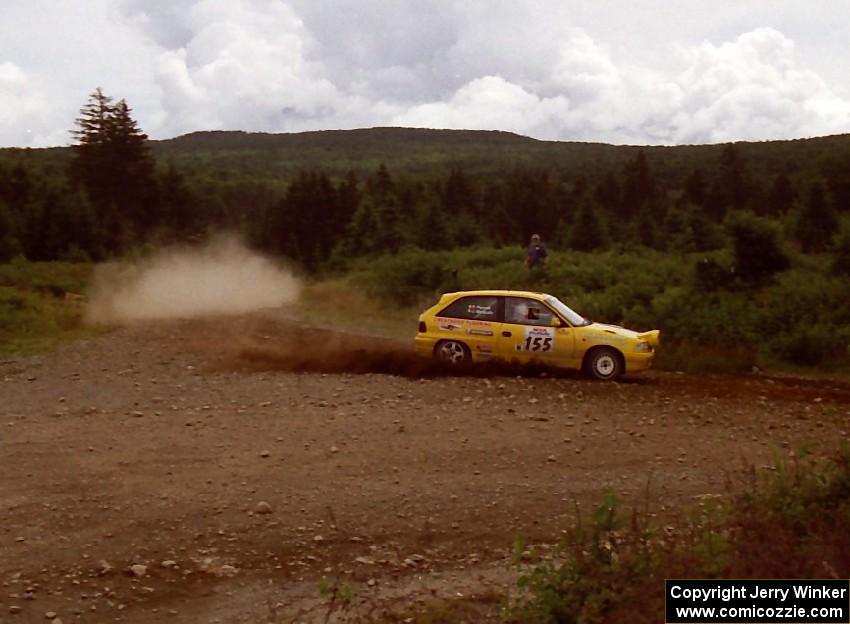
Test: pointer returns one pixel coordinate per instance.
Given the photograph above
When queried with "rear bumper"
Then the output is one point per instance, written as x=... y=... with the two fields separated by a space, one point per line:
x=424 y=345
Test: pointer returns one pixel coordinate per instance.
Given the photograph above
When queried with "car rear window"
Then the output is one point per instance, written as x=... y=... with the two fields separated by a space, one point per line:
x=473 y=308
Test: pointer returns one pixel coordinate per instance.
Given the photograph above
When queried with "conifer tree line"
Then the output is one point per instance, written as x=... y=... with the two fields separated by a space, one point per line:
x=113 y=196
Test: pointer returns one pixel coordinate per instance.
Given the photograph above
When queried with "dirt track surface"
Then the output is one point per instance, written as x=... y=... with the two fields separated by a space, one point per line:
x=156 y=445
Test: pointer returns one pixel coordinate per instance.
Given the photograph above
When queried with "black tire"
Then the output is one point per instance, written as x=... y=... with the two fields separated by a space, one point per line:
x=452 y=352
x=604 y=363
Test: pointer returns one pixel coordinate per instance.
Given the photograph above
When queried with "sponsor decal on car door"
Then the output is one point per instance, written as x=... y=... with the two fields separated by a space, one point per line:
x=474 y=321
x=528 y=333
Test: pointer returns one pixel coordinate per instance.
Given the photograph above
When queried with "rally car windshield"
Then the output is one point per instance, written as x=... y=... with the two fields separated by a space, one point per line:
x=574 y=319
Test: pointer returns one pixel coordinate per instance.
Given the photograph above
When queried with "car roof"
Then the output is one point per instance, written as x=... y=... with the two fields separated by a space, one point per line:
x=497 y=293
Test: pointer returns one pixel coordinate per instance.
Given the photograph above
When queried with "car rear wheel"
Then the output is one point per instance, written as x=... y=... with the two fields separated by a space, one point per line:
x=452 y=352
x=604 y=363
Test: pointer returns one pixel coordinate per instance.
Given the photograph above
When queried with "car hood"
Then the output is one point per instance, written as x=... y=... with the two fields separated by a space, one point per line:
x=652 y=337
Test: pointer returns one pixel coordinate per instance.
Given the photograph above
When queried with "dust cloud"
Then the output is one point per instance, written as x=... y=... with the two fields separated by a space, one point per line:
x=273 y=344
x=220 y=277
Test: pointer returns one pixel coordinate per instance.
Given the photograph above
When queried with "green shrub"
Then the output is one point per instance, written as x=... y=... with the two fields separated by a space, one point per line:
x=52 y=277
x=811 y=345
x=711 y=275
x=31 y=321
x=789 y=522
x=409 y=276
x=757 y=247
x=33 y=312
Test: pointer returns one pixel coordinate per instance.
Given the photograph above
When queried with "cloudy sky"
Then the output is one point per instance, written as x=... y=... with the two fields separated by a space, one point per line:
x=637 y=71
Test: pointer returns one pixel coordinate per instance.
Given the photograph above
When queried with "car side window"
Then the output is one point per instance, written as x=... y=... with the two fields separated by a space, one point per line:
x=522 y=311
x=473 y=308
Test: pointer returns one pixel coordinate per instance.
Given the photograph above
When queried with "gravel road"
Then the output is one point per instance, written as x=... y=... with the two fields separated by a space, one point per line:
x=210 y=471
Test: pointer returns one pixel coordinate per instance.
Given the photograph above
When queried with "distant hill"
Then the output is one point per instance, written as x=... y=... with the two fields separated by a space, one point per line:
x=424 y=152
x=374 y=137
x=415 y=152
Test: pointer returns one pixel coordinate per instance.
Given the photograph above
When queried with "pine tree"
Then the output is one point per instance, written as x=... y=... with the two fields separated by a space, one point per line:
x=379 y=217
x=588 y=232
x=459 y=196
x=16 y=186
x=841 y=261
x=677 y=234
x=360 y=234
x=53 y=220
x=9 y=244
x=706 y=235
x=638 y=187
x=817 y=221
x=128 y=146
x=732 y=188
x=836 y=173
x=500 y=226
x=695 y=188
x=92 y=166
x=608 y=193
x=304 y=224
x=433 y=230
x=780 y=198
x=178 y=204
x=348 y=199
x=112 y=163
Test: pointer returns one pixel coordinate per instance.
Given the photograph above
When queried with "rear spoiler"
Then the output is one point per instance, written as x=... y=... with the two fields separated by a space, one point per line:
x=652 y=337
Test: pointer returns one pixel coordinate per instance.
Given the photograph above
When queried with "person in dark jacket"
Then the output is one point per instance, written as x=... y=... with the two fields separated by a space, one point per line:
x=537 y=255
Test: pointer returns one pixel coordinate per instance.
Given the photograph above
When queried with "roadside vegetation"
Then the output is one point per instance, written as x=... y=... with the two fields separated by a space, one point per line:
x=739 y=253
x=713 y=317
x=791 y=520
x=40 y=304
x=716 y=312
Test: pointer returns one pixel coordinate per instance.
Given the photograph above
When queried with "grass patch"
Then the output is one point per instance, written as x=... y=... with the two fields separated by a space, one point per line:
x=35 y=314
x=479 y=607
x=695 y=358
x=48 y=278
x=341 y=304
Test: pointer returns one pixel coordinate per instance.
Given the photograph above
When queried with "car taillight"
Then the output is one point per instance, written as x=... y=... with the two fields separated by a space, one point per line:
x=422 y=328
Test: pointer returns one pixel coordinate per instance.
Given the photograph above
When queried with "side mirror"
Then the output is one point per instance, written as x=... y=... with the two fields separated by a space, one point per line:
x=556 y=322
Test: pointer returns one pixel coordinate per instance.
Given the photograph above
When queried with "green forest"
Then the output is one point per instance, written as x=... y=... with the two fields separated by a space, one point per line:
x=742 y=246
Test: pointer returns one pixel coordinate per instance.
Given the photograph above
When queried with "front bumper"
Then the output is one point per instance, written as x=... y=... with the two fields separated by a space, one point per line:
x=636 y=362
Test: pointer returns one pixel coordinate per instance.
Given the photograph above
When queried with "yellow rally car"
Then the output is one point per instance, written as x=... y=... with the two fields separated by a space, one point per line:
x=524 y=327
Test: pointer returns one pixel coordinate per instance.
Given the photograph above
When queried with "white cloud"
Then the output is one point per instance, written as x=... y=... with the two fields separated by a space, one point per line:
x=752 y=88
x=748 y=88
x=552 y=69
x=490 y=102
x=25 y=115
x=242 y=65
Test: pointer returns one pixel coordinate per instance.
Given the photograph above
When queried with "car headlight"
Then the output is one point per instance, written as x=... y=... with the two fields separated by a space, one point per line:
x=643 y=347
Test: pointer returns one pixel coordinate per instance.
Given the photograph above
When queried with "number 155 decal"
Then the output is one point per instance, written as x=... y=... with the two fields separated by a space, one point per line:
x=538 y=339
x=537 y=343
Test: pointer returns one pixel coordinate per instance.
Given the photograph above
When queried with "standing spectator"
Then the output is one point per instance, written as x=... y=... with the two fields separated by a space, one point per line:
x=537 y=255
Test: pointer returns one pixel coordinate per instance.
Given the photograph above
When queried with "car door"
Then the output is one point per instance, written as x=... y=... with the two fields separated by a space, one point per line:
x=532 y=331
x=473 y=320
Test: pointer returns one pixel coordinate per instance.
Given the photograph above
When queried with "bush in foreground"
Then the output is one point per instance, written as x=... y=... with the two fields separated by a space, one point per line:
x=790 y=522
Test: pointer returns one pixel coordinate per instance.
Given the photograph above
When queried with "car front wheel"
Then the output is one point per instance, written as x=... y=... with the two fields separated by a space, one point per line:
x=605 y=364
x=452 y=352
